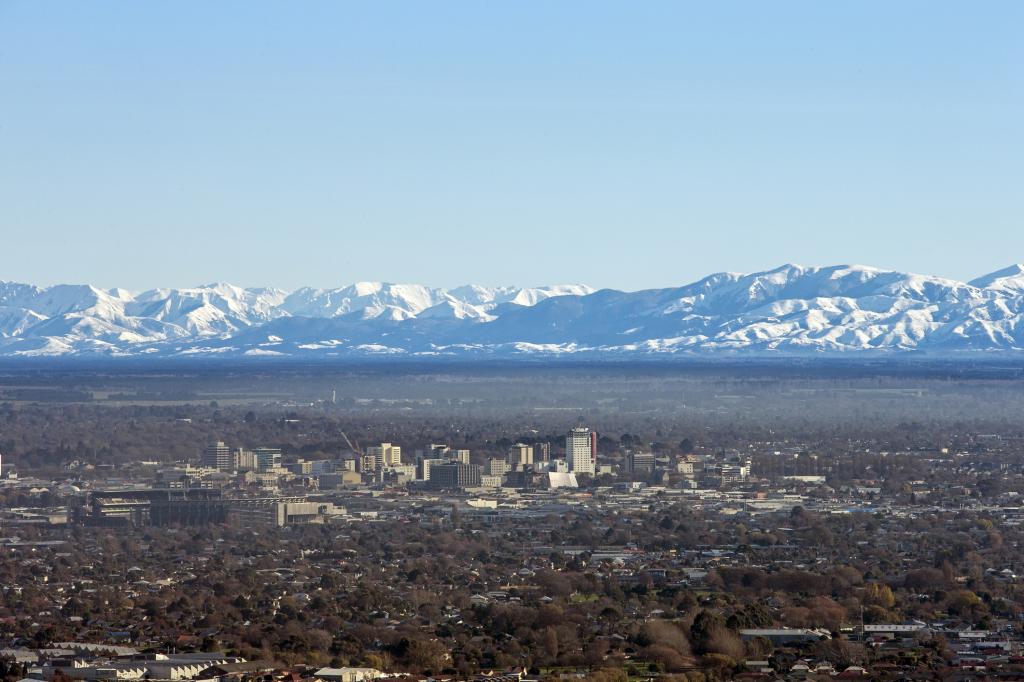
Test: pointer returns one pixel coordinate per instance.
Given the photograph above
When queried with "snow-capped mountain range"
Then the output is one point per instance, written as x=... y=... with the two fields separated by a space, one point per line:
x=791 y=310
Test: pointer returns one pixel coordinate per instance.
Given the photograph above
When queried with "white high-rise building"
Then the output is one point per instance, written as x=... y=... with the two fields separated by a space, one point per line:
x=580 y=452
x=244 y=459
x=384 y=456
x=217 y=455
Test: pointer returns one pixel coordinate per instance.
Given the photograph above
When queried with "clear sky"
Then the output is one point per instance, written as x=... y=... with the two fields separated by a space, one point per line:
x=620 y=144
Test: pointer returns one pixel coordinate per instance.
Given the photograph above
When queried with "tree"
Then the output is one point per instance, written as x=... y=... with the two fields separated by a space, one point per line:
x=963 y=603
x=878 y=594
x=703 y=630
x=750 y=616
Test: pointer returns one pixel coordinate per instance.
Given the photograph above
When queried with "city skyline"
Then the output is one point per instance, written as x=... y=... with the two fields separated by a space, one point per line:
x=511 y=342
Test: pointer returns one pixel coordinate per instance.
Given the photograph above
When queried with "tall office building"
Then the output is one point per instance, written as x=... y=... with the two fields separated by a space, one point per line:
x=542 y=452
x=383 y=456
x=426 y=464
x=455 y=475
x=581 y=450
x=244 y=459
x=267 y=458
x=217 y=455
x=496 y=467
x=461 y=456
x=520 y=456
x=640 y=463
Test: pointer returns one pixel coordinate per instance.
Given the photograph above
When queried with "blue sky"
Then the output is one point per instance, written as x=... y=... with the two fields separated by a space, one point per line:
x=627 y=145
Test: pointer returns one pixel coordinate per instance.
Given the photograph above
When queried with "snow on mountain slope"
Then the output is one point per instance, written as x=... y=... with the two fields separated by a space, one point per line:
x=790 y=309
x=366 y=299
x=14 y=321
x=210 y=310
x=1008 y=280
x=492 y=297
x=371 y=300
x=80 y=319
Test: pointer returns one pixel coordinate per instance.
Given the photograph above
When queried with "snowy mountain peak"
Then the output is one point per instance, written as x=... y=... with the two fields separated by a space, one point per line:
x=1009 y=278
x=789 y=309
x=369 y=288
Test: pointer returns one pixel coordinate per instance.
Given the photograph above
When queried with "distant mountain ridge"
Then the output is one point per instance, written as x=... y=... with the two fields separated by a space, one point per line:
x=842 y=309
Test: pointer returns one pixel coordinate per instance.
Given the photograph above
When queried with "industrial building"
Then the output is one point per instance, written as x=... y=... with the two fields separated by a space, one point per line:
x=197 y=507
x=155 y=507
